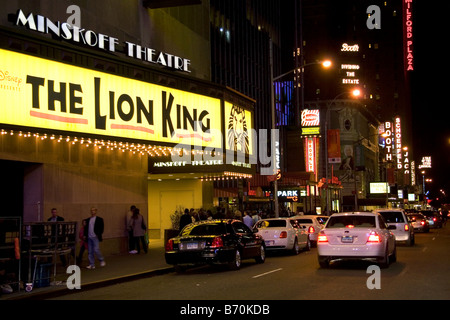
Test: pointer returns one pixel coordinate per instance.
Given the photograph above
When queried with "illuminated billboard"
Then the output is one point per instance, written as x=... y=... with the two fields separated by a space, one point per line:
x=39 y=93
x=379 y=187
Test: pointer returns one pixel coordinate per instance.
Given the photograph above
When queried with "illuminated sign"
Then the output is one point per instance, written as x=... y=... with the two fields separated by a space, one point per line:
x=39 y=93
x=388 y=140
x=426 y=163
x=408 y=35
x=398 y=142
x=65 y=31
x=310 y=118
x=353 y=48
x=239 y=123
x=349 y=71
x=310 y=122
x=311 y=149
x=379 y=187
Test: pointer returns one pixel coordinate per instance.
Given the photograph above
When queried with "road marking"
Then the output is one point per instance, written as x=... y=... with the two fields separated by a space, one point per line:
x=266 y=273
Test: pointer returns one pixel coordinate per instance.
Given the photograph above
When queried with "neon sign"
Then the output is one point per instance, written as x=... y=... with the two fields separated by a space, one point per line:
x=398 y=142
x=408 y=35
x=389 y=144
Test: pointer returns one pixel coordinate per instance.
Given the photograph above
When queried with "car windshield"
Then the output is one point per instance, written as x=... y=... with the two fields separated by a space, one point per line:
x=213 y=229
x=351 y=222
x=392 y=216
x=271 y=223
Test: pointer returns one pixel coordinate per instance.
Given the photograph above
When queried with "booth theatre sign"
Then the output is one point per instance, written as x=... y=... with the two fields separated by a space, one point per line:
x=65 y=31
x=39 y=93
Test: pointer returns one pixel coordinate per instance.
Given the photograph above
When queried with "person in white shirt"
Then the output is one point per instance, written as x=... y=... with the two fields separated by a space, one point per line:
x=94 y=232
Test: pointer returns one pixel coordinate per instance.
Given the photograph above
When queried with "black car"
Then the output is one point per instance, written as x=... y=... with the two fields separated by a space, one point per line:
x=223 y=241
x=434 y=218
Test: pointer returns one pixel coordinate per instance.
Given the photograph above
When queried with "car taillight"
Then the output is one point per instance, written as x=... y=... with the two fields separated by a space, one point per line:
x=434 y=219
x=217 y=242
x=422 y=222
x=311 y=229
x=283 y=234
x=322 y=238
x=374 y=237
x=406 y=227
x=169 y=245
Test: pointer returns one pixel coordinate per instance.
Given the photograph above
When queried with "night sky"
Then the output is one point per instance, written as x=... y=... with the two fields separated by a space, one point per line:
x=431 y=91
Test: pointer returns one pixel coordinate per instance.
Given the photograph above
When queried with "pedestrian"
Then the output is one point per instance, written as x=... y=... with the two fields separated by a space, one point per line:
x=94 y=234
x=130 y=232
x=185 y=219
x=83 y=242
x=55 y=217
x=138 y=228
x=248 y=220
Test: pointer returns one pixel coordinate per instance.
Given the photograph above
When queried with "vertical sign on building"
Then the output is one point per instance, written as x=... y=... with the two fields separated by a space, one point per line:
x=388 y=139
x=398 y=143
x=311 y=146
x=408 y=42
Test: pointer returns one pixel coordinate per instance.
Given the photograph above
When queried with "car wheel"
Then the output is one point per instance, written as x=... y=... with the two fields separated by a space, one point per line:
x=394 y=254
x=295 y=247
x=308 y=244
x=384 y=261
x=324 y=262
x=236 y=263
x=262 y=255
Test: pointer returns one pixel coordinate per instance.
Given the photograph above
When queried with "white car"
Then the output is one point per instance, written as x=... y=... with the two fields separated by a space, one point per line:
x=356 y=235
x=403 y=231
x=283 y=234
x=313 y=224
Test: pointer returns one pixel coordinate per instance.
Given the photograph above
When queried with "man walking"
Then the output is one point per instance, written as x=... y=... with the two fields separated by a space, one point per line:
x=93 y=232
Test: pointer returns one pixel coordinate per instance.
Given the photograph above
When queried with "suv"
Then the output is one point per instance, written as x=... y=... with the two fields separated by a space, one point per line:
x=404 y=231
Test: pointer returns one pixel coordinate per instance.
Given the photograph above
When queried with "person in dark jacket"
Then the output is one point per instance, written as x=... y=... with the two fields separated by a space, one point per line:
x=94 y=234
x=185 y=219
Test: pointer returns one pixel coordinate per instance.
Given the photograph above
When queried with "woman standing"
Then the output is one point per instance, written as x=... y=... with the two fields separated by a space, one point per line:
x=138 y=228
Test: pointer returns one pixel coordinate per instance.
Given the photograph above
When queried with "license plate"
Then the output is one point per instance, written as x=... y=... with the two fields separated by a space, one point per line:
x=347 y=239
x=192 y=245
x=269 y=242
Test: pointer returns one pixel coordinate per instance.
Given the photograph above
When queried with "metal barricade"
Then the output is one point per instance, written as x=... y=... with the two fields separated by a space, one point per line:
x=47 y=240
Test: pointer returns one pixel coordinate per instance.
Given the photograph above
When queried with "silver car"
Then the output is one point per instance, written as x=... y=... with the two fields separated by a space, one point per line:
x=356 y=235
x=403 y=231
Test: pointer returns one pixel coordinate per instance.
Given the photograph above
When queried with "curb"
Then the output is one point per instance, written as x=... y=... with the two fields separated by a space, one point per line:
x=63 y=290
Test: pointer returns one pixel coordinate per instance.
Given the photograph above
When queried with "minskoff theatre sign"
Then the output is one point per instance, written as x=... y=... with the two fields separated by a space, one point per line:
x=65 y=31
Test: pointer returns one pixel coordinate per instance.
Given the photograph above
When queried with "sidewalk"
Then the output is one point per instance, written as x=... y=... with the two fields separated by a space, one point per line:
x=120 y=267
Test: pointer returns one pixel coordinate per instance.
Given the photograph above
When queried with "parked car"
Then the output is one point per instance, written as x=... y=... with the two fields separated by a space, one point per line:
x=356 y=235
x=283 y=234
x=313 y=223
x=222 y=241
x=403 y=231
x=419 y=222
x=434 y=219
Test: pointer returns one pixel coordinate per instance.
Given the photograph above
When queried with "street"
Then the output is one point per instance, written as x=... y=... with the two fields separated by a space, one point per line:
x=420 y=273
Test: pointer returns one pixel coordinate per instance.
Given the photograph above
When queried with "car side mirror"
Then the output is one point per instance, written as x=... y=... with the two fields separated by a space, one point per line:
x=255 y=230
